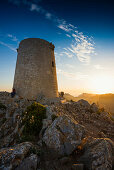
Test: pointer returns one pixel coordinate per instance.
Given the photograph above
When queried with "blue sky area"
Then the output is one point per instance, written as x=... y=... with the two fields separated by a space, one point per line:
x=81 y=30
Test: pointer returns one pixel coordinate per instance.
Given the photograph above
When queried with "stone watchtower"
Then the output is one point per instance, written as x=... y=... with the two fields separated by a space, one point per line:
x=35 y=69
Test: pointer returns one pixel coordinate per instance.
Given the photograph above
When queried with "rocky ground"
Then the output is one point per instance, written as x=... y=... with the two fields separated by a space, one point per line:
x=74 y=136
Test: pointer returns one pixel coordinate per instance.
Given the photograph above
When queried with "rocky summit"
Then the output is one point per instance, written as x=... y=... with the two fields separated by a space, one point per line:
x=43 y=135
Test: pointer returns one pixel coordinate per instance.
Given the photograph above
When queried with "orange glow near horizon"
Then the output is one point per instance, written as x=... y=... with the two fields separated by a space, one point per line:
x=95 y=84
x=102 y=84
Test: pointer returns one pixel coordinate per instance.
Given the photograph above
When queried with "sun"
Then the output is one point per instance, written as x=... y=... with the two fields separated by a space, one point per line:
x=102 y=84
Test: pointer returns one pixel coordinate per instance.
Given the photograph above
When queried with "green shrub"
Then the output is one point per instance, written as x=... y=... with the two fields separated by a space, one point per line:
x=53 y=117
x=32 y=120
x=2 y=106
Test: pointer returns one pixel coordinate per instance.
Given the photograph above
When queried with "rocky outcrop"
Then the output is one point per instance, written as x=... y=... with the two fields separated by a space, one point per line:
x=63 y=141
x=64 y=135
x=11 y=158
x=98 y=154
x=10 y=118
x=94 y=108
x=83 y=103
x=29 y=163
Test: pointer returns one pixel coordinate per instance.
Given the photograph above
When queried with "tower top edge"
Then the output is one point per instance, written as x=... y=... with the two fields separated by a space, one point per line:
x=35 y=40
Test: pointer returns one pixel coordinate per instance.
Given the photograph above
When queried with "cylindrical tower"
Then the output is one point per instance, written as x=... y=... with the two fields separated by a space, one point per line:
x=35 y=69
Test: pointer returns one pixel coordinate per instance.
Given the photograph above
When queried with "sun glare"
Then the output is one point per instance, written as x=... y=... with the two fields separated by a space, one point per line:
x=102 y=84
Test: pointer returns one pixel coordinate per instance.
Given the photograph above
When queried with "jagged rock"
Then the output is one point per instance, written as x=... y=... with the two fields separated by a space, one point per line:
x=29 y=163
x=49 y=112
x=9 y=138
x=11 y=157
x=98 y=154
x=84 y=103
x=6 y=128
x=46 y=122
x=94 y=108
x=64 y=135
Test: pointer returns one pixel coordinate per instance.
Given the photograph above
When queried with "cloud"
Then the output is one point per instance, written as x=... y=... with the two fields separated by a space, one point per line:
x=13 y=38
x=76 y=76
x=62 y=24
x=69 y=55
x=63 y=27
x=7 y=45
x=10 y=38
x=37 y=8
x=68 y=35
x=73 y=76
x=64 y=73
x=81 y=46
x=34 y=7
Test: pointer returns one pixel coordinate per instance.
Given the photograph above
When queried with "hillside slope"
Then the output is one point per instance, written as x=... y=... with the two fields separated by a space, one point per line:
x=103 y=100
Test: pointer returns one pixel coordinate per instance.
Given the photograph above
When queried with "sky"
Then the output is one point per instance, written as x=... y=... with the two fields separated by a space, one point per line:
x=81 y=30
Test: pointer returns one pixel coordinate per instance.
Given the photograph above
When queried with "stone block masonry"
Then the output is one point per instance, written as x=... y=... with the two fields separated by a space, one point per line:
x=35 y=71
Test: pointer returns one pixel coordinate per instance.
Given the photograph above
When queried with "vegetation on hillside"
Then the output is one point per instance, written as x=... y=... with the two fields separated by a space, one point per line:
x=32 y=120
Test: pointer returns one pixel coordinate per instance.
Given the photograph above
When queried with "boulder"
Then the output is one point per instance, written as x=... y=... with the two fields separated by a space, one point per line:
x=98 y=154
x=64 y=135
x=83 y=103
x=29 y=163
x=94 y=108
x=11 y=157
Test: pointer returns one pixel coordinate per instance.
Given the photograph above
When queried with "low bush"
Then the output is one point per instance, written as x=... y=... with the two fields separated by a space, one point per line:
x=32 y=120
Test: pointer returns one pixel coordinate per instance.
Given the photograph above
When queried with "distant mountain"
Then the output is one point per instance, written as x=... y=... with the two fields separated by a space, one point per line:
x=103 y=100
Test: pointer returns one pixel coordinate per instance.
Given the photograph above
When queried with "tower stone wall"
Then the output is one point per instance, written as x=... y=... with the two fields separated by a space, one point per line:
x=35 y=69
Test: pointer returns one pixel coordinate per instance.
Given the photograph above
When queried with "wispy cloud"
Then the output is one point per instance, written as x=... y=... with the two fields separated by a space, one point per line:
x=81 y=46
x=64 y=27
x=73 y=76
x=69 y=55
x=7 y=45
x=13 y=38
x=68 y=35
